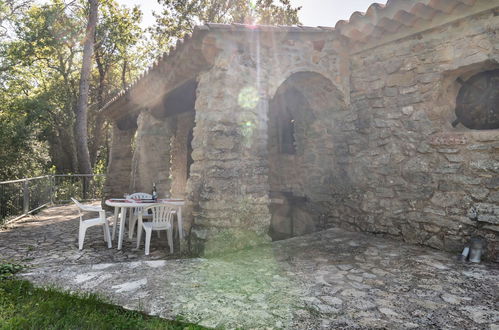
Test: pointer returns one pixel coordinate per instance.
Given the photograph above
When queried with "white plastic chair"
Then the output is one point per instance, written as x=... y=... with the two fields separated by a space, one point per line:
x=134 y=214
x=161 y=220
x=84 y=224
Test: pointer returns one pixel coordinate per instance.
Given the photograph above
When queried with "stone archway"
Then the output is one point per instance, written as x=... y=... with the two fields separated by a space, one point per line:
x=301 y=152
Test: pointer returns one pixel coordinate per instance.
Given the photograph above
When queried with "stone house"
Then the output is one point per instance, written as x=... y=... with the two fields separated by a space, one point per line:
x=386 y=123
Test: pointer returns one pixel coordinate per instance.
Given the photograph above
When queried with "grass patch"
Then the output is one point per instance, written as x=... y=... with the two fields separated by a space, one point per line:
x=22 y=306
x=7 y=270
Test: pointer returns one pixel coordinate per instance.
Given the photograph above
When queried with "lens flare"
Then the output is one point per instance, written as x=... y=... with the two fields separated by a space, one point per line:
x=248 y=97
x=247 y=129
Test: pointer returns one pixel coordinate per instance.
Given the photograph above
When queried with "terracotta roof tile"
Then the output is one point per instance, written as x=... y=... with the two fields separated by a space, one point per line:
x=394 y=14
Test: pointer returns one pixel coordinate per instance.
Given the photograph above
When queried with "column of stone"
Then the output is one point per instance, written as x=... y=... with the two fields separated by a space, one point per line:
x=228 y=187
x=151 y=157
x=120 y=162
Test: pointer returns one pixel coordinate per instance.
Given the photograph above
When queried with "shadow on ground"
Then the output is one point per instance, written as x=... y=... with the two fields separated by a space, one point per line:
x=51 y=238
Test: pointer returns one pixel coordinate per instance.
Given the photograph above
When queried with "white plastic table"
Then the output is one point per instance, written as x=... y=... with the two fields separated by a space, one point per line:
x=121 y=204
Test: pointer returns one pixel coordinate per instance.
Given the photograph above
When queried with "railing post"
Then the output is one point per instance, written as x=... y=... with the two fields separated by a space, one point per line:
x=25 y=196
x=51 y=183
x=84 y=187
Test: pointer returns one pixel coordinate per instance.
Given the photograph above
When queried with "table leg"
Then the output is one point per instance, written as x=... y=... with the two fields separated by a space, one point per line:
x=180 y=228
x=131 y=220
x=115 y=220
x=139 y=229
x=122 y=227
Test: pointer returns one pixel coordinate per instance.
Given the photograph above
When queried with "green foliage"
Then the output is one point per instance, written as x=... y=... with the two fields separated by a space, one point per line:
x=10 y=10
x=39 y=72
x=7 y=270
x=179 y=17
x=22 y=306
x=118 y=37
x=66 y=187
x=40 y=59
x=39 y=80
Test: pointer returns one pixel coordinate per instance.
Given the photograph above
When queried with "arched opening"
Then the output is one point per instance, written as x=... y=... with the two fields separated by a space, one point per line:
x=300 y=152
x=119 y=166
x=179 y=106
x=162 y=146
x=128 y=122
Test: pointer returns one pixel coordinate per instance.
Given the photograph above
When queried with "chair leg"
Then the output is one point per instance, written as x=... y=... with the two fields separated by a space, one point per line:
x=139 y=236
x=107 y=235
x=81 y=235
x=132 y=220
x=113 y=235
x=104 y=231
x=170 y=239
x=148 y=240
x=115 y=221
x=159 y=233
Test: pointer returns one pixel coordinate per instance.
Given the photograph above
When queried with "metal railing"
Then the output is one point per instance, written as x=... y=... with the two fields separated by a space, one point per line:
x=19 y=198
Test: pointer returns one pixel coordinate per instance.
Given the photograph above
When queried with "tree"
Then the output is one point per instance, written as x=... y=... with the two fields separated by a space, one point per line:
x=10 y=10
x=42 y=58
x=50 y=92
x=179 y=17
x=40 y=66
x=115 y=49
x=81 y=109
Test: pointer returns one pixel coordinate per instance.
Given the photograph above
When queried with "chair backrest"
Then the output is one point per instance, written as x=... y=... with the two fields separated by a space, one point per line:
x=87 y=208
x=140 y=195
x=76 y=202
x=161 y=215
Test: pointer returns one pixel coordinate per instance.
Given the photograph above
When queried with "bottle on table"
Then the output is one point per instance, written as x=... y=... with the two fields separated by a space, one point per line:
x=154 y=192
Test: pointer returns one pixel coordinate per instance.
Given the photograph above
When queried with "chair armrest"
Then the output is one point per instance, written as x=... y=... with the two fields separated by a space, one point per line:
x=91 y=208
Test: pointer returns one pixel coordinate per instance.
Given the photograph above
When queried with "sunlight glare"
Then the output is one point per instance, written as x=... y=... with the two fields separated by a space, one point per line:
x=248 y=97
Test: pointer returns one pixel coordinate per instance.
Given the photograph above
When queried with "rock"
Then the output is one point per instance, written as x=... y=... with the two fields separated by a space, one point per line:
x=404 y=79
x=408 y=110
x=480 y=314
x=447 y=199
x=451 y=299
x=388 y=312
x=486 y=165
x=353 y=293
x=479 y=193
x=435 y=242
x=494 y=197
x=332 y=300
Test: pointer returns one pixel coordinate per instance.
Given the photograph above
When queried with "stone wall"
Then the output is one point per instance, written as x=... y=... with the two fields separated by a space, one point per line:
x=415 y=175
x=228 y=185
x=228 y=190
x=375 y=151
x=151 y=157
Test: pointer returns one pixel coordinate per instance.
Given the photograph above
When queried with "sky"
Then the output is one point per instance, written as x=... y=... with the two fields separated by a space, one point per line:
x=313 y=12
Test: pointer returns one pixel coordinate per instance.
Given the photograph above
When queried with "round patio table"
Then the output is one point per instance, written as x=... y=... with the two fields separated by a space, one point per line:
x=122 y=204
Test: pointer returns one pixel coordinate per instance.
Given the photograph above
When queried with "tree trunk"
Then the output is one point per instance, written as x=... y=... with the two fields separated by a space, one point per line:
x=99 y=119
x=123 y=73
x=81 y=107
x=98 y=130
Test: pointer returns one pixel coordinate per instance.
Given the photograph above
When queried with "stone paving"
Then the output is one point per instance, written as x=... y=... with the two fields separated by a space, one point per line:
x=331 y=279
x=51 y=237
